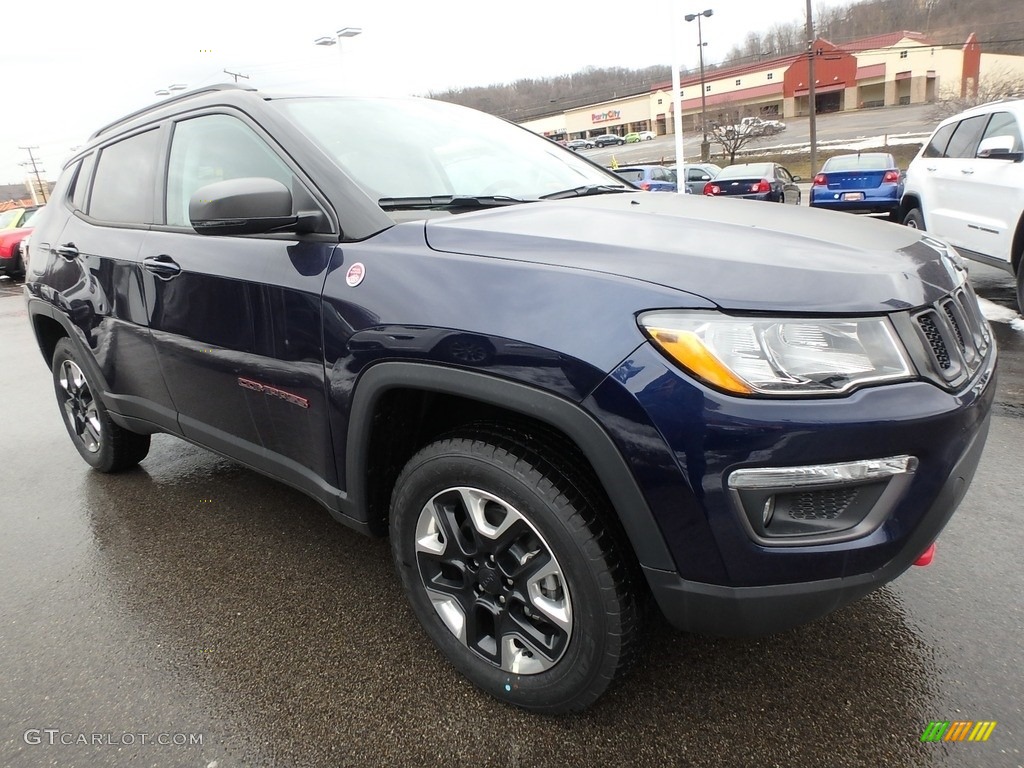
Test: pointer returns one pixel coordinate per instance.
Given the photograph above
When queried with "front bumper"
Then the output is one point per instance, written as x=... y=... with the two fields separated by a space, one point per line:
x=736 y=611
x=685 y=440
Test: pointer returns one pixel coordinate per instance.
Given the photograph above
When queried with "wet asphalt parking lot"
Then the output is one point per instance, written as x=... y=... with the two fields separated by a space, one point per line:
x=193 y=600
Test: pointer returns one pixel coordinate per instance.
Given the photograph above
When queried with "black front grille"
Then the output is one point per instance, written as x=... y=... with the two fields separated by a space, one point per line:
x=956 y=326
x=821 y=505
x=931 y=332
x=956 y=335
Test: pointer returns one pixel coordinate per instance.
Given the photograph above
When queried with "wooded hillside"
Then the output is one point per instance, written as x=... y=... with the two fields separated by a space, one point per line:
x=999 y=25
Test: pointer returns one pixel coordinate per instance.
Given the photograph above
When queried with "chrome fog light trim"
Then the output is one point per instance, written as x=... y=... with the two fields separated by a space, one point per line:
x=864 y=471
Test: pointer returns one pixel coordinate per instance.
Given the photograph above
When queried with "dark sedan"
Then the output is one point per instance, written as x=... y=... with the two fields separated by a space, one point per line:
x=860 y=183
x=607 y=140
x=577 y=144
x=755 y=181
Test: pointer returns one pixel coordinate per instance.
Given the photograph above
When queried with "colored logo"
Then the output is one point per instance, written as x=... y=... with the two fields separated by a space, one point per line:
x=958 y=730
x=355 y=274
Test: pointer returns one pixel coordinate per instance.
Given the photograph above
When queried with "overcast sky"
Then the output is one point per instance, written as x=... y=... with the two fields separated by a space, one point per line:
x=73 y=66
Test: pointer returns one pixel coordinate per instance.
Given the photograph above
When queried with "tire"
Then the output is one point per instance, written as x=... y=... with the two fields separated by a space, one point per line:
x=103 y=444
x=549 y=637
x=914 y=219
x=1020 y=287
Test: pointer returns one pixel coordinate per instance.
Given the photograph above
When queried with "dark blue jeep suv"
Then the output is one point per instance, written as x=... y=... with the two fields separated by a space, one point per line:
x=559 y=396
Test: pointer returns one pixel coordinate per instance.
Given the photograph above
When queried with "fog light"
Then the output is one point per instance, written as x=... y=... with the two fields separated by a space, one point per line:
x=818 y=503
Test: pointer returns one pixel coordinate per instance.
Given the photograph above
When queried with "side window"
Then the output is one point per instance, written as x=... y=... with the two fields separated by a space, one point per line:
x=1002 y=124
x=964 y=142
x=783 y=174
x=937 y=146
x=215 y=148
x=696 y=174
x=122 y=190
x=80 y=190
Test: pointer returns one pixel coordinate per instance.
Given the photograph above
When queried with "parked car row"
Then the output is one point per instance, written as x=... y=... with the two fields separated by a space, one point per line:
x=13 y=243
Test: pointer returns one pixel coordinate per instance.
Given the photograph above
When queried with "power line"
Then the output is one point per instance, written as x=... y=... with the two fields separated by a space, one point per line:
x=236 y=75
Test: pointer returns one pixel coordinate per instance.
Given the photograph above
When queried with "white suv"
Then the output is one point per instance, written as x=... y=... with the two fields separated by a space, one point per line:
x=967 y=185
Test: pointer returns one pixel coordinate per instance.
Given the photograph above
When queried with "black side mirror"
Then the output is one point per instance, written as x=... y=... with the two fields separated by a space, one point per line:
x=248 y=206
x=1001 y=153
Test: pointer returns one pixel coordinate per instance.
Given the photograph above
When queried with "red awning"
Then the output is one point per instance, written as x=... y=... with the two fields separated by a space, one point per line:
x=821 y=89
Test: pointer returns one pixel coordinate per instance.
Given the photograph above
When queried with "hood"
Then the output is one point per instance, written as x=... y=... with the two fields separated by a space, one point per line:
x=738 y=254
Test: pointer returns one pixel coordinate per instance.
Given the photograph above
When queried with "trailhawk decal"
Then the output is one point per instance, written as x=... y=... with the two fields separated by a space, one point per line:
x=266 y=389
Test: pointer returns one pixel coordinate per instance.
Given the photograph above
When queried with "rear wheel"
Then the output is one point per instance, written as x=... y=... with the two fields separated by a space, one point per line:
x=511 y=571
x=914 y=219
x=102 y=443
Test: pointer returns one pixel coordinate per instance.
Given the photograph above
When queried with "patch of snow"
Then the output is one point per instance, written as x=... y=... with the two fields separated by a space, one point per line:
x=1000 y=314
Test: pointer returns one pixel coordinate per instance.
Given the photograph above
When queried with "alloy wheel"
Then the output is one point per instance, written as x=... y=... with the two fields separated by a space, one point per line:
x=493 y=580
x=79 y=406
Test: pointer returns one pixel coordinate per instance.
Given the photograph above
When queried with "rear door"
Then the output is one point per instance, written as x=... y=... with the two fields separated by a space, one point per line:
x=949 y=179
x=991 y=192
x=95 y=267
x=237 y=320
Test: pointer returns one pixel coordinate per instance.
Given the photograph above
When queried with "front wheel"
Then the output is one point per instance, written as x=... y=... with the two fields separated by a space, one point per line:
x=914 y=219
x=102 y=443
x=512 y=572
x=1020 y=286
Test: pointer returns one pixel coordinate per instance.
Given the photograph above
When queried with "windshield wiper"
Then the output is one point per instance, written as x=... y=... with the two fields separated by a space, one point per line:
x=447 y=202
x=589 y=189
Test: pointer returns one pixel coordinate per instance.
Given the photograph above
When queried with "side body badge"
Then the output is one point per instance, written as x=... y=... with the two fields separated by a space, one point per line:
x=355 y=274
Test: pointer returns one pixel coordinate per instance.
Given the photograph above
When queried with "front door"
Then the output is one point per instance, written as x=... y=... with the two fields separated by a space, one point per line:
x=236 y=321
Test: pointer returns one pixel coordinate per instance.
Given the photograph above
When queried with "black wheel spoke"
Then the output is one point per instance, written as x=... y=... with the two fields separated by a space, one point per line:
x=493 y=580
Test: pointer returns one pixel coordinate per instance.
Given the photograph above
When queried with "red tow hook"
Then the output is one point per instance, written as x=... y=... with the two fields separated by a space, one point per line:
x=927 y=556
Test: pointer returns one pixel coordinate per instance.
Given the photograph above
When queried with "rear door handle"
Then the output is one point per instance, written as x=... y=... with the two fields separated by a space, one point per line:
x=930 y=167
x=161 y=266
x=967 y=171
x=68 y=251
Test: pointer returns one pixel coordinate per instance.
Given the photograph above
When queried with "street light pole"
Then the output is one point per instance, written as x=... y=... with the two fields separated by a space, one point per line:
x=677 y=102
x=171 y=89
x=705 y=147
x=336 y=40
x=812 y=124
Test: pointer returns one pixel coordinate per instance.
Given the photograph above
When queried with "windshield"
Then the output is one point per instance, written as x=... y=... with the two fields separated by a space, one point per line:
x=402 y=148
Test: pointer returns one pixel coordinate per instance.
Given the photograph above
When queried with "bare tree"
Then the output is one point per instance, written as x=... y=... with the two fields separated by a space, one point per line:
x=1000 y=83
x=733 y=138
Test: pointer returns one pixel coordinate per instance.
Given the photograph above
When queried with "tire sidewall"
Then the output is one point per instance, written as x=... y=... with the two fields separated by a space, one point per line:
x=583 y=660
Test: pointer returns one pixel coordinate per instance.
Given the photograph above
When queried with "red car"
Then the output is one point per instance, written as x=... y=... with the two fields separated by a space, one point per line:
x=11 y=262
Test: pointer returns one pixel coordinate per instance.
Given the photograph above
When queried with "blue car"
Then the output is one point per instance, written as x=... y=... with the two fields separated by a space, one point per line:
x=868 y=182
x=651 y=178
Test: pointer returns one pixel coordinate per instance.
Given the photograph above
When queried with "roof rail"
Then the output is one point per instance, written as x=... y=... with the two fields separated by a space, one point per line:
x=172 y=100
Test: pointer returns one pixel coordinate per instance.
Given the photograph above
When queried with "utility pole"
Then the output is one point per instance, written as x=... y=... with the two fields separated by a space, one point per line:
x=236 y=75
x=35 y=171
x=811 y=99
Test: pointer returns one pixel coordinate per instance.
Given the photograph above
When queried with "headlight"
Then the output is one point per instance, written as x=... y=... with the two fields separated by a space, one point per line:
x=780 y=356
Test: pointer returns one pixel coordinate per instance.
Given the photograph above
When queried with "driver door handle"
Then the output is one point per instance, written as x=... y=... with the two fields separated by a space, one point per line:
x=162 y=266
x=68 y=251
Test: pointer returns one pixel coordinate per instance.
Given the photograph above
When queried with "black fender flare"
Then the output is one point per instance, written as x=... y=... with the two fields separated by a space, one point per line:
x=561 y=414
